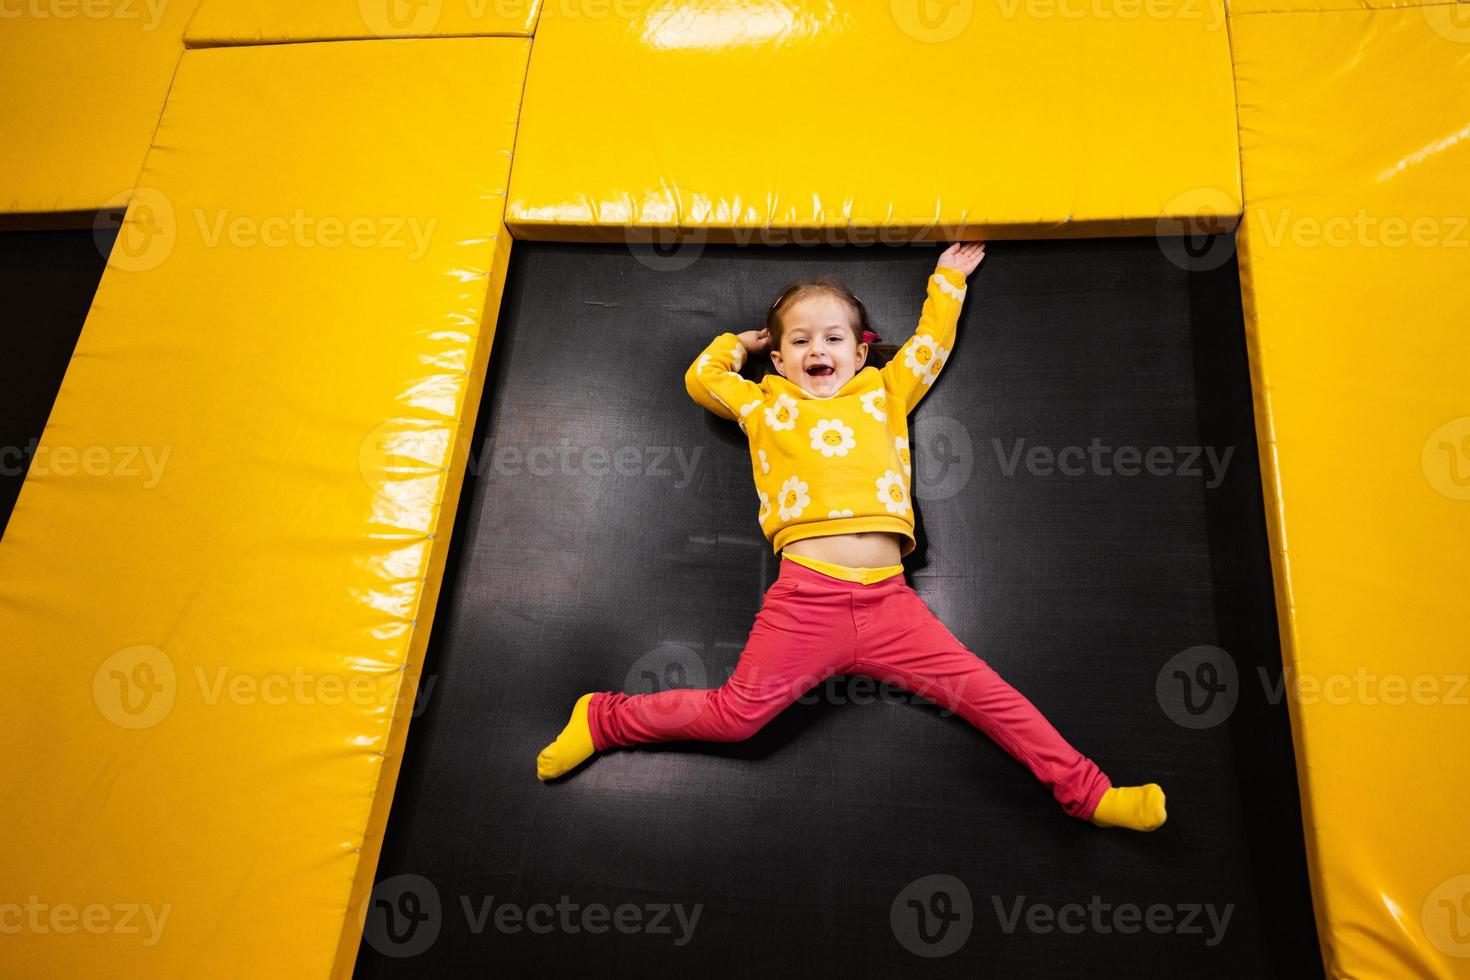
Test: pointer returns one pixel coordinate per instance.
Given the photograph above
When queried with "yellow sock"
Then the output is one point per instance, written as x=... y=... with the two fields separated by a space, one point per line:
x=571 y=748
x=1134 y=807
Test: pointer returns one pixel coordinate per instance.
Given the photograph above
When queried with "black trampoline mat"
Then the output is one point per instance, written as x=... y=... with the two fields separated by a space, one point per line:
x=812 y=848
x=47 y=280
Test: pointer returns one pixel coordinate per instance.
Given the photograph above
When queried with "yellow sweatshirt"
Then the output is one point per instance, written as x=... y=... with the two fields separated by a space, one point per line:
x=839 y=464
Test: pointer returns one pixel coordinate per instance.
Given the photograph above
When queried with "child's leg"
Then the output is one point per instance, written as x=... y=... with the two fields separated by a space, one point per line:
x=802 y=635
x=789 y=650
x=902 y=641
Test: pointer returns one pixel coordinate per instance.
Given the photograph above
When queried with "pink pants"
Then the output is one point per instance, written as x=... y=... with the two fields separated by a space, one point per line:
x=812 y=625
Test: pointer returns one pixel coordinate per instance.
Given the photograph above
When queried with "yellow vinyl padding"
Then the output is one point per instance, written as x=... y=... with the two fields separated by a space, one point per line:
x=225 y=22
x=1238 y=7
x=83 y=86
x=724 y=119
x=221 y=572
x=1355 y=249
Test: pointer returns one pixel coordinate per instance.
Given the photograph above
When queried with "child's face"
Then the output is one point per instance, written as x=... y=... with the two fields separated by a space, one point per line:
x=818 y=351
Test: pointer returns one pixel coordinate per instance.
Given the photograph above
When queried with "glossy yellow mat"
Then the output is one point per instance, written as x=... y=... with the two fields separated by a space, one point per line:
x=218 y=589
x=809 y=115
x=83 y=89
x=1355 y=256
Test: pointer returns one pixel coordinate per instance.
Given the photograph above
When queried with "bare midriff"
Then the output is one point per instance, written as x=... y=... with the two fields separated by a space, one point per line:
x=866 y=549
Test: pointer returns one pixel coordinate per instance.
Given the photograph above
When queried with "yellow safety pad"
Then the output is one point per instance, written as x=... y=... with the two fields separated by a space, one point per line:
x=1355 y=254
x=220 y=575
x=84 y=83
x=221 y=22
x=1239 y=7
x=847 y=118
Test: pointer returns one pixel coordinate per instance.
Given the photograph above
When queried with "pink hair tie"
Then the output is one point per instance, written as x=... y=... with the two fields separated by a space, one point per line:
x=869 y=336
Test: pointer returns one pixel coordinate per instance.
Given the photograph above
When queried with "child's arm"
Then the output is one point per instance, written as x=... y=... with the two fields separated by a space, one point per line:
x=918 y=362
x=714 y=382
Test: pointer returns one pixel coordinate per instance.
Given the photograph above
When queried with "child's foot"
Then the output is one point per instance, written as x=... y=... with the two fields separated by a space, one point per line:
x=1134 y=807
x=571 y=748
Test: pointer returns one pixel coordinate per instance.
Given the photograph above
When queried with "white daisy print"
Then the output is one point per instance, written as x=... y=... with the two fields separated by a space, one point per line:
x=936 y=364
x=925 y=357
x=745 y=411
x=873 y=404
x=840 y=513
x=782 y=415
x=832 y=437
x=949 y=289
x=902 y=445
x=703 y=360
x=738 y=356
x=793 y=499
x=765 y=506
x=765 y=466
x=892 y=493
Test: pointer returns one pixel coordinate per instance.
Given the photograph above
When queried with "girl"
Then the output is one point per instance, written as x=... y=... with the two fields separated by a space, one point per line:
x=830 y=456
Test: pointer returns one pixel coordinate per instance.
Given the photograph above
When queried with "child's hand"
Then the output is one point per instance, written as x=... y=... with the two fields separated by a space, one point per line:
x=755 y=341
x=963 y=257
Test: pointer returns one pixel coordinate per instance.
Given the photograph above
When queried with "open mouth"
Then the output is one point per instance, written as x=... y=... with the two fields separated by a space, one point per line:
x=820 y=371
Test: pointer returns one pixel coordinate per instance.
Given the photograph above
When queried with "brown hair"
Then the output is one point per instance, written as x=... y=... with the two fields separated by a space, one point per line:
x=878 y=353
